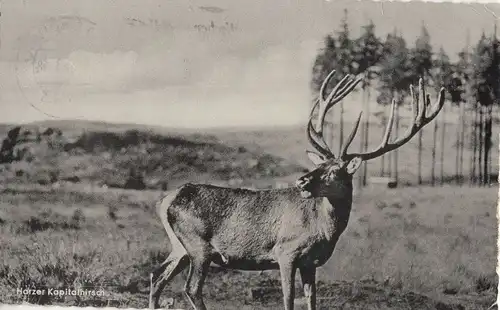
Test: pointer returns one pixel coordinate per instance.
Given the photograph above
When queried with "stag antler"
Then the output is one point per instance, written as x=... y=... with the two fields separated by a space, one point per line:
x=419 y=120
x=342 y=89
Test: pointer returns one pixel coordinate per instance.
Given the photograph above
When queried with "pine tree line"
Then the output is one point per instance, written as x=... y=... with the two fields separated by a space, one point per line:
x=389 y=66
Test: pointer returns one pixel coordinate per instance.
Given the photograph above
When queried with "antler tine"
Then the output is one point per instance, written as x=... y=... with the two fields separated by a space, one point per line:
x=385 y=139
x=351 y=136
x=339 y=91
x=419 y=120
x=313 y=138
x=344 y=82
x=414 y=103
x=437 y=106
x=421 y=103
x=324 y=84
x=348 y=88
x=388 y=128
x=336 y=95
x=326 y=104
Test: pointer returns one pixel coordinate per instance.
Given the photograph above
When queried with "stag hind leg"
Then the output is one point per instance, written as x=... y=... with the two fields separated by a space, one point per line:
x=199 y=253
x=197 y=274
x=171 y=267
x=176 y=261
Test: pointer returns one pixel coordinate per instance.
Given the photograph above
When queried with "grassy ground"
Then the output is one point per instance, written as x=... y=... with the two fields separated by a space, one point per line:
x=403 y=249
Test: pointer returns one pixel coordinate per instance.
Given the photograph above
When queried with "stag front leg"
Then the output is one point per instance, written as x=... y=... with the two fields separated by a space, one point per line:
x=194 y=284
x=308 y=276
x=287 y=272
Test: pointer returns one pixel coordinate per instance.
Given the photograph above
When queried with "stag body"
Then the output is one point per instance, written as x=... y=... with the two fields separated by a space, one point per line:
x=253 y=230
x=257 y=229
x=285 y=229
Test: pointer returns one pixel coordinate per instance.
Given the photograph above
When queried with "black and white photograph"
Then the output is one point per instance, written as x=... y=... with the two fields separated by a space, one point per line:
x=244 y=154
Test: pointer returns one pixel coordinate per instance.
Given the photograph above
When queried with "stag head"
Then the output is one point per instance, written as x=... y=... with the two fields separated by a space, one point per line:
x=334 y=174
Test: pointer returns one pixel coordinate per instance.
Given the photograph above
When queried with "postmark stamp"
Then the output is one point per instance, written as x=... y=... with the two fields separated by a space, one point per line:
x=43 y=71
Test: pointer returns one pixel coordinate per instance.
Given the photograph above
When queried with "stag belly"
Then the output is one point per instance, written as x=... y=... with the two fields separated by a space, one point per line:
x=249 y=264
x=244 y=254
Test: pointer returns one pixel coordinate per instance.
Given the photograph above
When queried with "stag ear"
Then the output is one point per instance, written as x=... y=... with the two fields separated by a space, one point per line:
x=316 y=158
x=353 y=165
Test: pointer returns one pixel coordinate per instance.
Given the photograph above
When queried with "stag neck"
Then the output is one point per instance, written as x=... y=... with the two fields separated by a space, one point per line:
x=339 y=200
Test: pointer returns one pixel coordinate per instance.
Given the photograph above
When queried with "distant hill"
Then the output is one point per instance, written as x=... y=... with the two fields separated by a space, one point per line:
x=113 y=154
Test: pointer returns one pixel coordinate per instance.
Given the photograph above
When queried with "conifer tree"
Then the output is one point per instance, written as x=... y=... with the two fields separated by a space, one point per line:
x=394 y=78
x=368 y=50
x=337 y=54
x=346 y=64
x=484 y=81
x=442 y=76
x=421 y=62
x=485 y=91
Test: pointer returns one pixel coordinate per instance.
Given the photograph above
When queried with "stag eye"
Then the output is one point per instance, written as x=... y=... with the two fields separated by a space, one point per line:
x=328 y=176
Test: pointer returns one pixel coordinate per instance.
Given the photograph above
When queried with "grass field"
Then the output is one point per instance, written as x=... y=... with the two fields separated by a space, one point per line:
x=405 y=248
x=422 y=242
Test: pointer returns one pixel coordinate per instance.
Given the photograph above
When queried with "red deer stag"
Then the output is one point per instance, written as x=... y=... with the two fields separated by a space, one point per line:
x=285 y=229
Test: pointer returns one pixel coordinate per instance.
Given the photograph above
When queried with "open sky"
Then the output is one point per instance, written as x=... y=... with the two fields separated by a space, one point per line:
x=154 y=62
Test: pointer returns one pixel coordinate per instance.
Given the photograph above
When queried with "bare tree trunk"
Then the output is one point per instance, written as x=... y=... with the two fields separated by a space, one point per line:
x=367 y=130
x=419 y=172
x=396 y=152
x=341 y=129
x=487 y=144
x=443 y=137
x=420 y=135
x=433 y=163
x=327 y=133
x=331 y=128
x=389 y=163
x=462 y=140
x=481 y=137
x=474 y=146
x=382 y=158
x=457 y=146
x=362 y=142
x=490 y=144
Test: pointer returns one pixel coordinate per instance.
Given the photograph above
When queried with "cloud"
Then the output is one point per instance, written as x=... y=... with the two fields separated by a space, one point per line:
x=182 y=80
x=82 y=69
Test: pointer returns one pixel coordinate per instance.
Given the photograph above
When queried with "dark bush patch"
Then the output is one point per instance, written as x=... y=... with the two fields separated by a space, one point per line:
x=381 y=205
x=112 y=210
x=135 y=181
x=486 y=282
x=450 y=291
x=396 y=205
x=34 y=224
x=72 y=179
x=77 y=218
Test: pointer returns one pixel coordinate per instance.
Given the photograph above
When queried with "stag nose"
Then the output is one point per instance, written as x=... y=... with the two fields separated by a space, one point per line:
x=302 y=182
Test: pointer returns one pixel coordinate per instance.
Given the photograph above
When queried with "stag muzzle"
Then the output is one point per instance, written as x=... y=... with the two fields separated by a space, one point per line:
x=304 y=184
